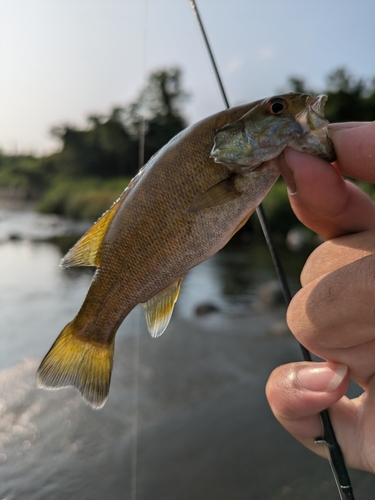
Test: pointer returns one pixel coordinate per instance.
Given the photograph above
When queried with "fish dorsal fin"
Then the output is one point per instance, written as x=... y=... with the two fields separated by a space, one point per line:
x=216 y=195
x=85 y=251
x=158 y=310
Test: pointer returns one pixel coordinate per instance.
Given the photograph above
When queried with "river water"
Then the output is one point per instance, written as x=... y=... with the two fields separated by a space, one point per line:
x=186 y=417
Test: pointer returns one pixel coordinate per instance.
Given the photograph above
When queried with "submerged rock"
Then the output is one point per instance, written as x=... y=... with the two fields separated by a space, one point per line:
x=206 y=308
x=279 y=328
x=270 y=294
x=296 y=239
x=15 y=237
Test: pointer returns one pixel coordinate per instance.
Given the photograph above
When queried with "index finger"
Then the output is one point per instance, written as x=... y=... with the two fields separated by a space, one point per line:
x=321 y=198
x=354 y=144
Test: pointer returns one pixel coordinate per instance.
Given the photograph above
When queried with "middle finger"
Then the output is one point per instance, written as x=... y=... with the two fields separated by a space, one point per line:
x=337 y=253
x=334 y=317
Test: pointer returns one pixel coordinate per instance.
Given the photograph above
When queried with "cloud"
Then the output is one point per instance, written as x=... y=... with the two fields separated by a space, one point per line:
x=266 y=53
x=234 y=64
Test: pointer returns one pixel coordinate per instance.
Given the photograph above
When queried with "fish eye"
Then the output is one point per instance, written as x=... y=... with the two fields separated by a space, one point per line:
x=277 y=106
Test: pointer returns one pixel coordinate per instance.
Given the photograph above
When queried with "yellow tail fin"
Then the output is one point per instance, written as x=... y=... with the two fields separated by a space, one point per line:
x=74 y=361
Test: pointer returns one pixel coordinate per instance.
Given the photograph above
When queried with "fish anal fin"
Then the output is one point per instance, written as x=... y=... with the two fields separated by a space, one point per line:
x=74 y=361
x=158 y=310
x=85 y=251
x=220 y=193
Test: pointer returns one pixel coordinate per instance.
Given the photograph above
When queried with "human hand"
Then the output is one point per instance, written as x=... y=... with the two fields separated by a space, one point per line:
x=333 y=315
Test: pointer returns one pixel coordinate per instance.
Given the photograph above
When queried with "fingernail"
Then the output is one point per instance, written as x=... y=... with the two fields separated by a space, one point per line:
x=287 y=175
x=321 y=377
x=347 y=125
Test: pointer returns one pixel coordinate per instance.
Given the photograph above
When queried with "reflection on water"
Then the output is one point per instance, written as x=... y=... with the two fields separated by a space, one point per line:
x=38 y=298
x=185 y=420
x=231 y=277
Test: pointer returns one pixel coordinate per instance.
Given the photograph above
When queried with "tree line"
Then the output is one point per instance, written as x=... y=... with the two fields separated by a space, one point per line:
x=95 y=162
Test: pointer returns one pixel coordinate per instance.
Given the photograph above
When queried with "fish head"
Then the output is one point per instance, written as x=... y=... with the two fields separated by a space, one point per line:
x=295 y=120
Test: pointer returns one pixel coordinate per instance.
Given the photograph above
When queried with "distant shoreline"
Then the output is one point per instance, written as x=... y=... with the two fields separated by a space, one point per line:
x=14 y=203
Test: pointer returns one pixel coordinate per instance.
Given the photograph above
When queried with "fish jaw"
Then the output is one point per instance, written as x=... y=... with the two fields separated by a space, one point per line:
x=295 y=120
x=315 y=141
x=253 y=140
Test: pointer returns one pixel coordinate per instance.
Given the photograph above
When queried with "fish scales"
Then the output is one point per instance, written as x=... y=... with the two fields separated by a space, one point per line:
x=182 y=207
x=171 y=187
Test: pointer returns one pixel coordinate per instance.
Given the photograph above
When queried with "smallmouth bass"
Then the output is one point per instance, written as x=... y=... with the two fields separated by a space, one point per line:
x=179 y=210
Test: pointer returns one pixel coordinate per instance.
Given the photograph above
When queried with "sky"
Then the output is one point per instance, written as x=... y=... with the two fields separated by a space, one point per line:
x=63 y=60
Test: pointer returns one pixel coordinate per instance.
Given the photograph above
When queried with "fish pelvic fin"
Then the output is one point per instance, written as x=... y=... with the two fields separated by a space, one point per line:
x=74 y=361
x=86 y=251
x=158 y=310
x=220 y=193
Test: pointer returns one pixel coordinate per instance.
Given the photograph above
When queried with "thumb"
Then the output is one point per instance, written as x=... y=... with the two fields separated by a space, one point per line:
x=298 y=392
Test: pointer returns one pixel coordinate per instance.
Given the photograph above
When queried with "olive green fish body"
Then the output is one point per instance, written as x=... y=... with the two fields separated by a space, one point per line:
x=181 y=208
x=153 y=225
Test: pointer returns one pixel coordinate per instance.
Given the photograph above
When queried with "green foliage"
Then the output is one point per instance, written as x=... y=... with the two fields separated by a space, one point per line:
x=277 y=208
x=156 y=114
x=349 y=99
x=24 y=175
x=163 y=96
x=86 y=198
x=105 y=149
x=109 y=146
x=95 y=163
x=87 y=174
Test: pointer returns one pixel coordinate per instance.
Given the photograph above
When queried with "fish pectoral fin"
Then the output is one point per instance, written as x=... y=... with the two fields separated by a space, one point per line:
x=158 y=310
x=216 y=195
x=85 y=251
x=74 y=361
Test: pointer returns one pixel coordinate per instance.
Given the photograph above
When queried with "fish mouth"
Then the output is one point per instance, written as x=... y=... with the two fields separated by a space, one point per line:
x=317 y=104
x=311 y=118
x=314 y=137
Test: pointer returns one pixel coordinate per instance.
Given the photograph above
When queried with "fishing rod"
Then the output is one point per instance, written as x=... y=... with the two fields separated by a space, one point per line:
x=338 y=466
